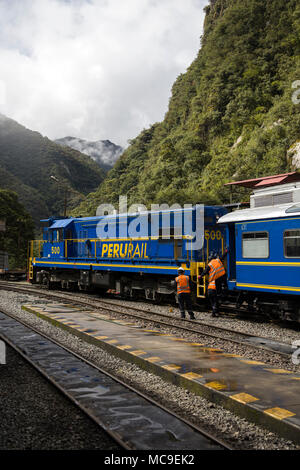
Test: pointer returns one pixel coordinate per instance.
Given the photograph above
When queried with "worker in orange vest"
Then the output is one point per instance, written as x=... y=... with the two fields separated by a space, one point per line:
x=184 y=294
x=215 y=271
x=221 y=277
x=213 y=298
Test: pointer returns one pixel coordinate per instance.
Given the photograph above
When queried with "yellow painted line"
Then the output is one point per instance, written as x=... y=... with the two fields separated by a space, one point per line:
x=171 y=367
x=125 y=346
x=138 y=352
x=191 y=375
x=267 y=263
x=262 y=286
x=295 y=378
x=252 y=362
x=151 y=331
x=138 y=266
x=231 y=355
x=279 y=371
x=196 y=344
x=216 y=385
x=112 y=341
x=153 y=359
x=244 y=398
x=279 y=413
x=101 y=337
x=178 y=339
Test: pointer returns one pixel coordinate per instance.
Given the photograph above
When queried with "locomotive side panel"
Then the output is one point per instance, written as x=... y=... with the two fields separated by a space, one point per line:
x=73 y=254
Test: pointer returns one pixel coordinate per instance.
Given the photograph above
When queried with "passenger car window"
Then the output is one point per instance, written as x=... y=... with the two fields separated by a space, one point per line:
x=292 y=243
x=255 y=245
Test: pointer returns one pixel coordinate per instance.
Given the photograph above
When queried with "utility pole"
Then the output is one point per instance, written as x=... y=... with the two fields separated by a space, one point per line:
x=2 y=229
x=65 y=193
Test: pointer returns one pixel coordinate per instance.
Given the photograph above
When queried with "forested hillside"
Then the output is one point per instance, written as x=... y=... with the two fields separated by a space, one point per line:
x=27 y=162
x=19 y=229
x=230 y=117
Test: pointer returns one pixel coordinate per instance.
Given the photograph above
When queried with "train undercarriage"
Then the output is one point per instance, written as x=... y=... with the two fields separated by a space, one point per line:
x=132 y=286
x=275 y=306
x=158 y=289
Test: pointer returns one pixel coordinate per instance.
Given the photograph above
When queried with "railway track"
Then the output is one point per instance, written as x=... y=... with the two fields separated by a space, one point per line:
x=162 y=319
x=133 y=420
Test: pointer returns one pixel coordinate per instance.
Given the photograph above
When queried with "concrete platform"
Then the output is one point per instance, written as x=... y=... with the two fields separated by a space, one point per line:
x=259 y=392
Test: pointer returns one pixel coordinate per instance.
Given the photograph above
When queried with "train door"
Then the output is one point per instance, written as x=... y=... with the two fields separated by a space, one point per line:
x=83 y=249
x=231 y=262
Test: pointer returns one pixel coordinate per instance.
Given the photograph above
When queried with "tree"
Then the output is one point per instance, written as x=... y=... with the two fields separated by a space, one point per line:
x=19 y=229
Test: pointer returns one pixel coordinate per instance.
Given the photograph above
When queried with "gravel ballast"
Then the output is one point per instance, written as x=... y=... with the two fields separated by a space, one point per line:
x=36 y=416
x=224 y=424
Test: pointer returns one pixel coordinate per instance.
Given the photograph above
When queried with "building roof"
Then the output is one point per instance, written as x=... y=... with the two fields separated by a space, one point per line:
x=267 y=180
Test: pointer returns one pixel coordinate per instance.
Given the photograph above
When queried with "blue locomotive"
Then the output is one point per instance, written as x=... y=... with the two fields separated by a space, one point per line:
x=264 y=259
x=263 y=265
x=136 y=255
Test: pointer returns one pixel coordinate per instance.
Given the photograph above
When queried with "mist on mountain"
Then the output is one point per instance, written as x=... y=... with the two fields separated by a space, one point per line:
x=103 y=152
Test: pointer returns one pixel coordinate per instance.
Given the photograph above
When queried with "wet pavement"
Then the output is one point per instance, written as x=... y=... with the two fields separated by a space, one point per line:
x=124 y=414
x=260 y=392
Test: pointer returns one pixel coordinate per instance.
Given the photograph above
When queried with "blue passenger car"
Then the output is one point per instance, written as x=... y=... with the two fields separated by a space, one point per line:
x=131 y=254
x=264 y=258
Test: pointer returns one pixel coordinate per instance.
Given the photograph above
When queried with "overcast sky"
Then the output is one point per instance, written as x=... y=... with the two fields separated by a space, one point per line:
x=94 y=69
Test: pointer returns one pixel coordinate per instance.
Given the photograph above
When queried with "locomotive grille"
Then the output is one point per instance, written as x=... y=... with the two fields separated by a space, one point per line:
x=273 y=199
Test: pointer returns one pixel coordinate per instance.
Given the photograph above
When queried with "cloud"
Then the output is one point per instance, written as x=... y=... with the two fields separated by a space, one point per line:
x=97 y=69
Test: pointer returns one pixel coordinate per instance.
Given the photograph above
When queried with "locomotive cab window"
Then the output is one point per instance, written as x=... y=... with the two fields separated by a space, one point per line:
x=56 y=235
x=255 y=245
x=292 y=243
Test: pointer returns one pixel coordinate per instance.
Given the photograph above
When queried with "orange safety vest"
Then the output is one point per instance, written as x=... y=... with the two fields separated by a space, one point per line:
x=183 y=284
x=216 y=269
x=212 y=285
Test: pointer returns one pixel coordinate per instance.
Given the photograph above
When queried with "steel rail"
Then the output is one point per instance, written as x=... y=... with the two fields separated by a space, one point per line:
x=112 y=307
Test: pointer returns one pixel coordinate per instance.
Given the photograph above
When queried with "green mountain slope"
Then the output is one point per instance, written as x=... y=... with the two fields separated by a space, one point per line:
x=231 y=115
x=28 y=160
x=19 y=229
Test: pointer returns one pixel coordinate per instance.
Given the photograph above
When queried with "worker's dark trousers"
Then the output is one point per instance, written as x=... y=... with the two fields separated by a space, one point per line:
x=221 y=285
x=185 y=303
x=213 y=298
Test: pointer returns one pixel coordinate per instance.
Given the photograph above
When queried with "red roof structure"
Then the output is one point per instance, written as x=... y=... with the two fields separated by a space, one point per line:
x=267 y=180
